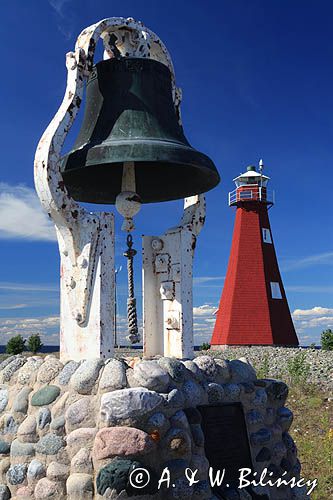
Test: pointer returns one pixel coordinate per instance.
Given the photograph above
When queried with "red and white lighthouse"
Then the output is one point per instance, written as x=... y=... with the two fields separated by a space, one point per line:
x=253 y=308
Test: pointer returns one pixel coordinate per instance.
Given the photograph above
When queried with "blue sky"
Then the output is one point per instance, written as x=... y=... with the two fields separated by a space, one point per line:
x=257 y=83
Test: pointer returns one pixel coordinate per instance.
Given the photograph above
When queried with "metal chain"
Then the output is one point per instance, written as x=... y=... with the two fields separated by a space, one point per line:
x=133 y=332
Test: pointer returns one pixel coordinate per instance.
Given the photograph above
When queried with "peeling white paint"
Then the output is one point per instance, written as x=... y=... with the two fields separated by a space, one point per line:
x=86 y=240
x=168 y=285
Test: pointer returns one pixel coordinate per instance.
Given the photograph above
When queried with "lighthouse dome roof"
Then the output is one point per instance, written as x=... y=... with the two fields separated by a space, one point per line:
x=251 y=173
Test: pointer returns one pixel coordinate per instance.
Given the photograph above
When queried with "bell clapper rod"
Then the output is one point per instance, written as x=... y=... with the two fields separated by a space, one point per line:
x=128 y=204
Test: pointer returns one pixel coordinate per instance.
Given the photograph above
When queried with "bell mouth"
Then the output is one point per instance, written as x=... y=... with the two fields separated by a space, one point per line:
x=164 y=171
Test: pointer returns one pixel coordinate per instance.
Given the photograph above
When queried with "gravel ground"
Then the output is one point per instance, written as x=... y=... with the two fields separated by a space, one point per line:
x=311 y=366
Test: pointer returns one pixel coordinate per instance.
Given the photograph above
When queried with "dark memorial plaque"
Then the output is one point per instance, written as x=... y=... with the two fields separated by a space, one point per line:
x=226 y=439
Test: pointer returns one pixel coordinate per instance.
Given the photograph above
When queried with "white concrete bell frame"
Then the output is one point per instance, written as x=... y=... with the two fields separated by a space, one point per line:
x=86 y=240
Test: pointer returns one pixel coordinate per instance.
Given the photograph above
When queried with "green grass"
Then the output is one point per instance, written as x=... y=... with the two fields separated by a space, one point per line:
x=312 y=431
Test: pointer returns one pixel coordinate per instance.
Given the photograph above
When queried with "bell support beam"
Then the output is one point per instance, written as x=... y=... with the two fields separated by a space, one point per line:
x=168 y=285
x=86 y=240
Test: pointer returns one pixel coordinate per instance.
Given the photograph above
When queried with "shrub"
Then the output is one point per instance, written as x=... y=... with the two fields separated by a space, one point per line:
x=15 y=345
x=327 y=340
x=263 y=369
x=298 y=368
x=205 y=346
x=34 y=343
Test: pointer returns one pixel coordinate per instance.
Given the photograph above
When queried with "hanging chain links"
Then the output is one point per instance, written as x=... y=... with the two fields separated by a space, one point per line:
x=133 y=332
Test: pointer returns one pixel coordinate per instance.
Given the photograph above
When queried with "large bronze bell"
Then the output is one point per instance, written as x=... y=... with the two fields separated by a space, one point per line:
x=130 y=117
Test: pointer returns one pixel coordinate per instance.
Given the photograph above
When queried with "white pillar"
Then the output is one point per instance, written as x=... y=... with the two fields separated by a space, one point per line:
x=168 y=285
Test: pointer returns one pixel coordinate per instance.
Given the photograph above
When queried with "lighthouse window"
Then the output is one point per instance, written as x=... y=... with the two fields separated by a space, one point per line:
x=266 y=235
x=276 y=291
x=245 y=194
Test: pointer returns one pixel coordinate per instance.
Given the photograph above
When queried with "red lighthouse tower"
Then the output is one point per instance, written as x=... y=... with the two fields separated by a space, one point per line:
x=253 y=309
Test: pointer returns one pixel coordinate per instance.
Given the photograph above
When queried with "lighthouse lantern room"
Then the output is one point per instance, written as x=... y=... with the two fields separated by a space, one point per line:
x=253 y=308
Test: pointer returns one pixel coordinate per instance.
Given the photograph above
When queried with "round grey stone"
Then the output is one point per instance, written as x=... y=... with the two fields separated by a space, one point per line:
x=78 y=411
x=261 y=437
x=285 y=418
x=58 y=423
x=27 y=374
x=179 y=420
x=43 y=418
x=21 y=401
x=193 y=393
x=223 y=370
x=10 y=426
x=79 y=485
x=16 y=474
x=241 y=371
x=6 y=362
x=231 y=392
x=57 y=471
x=193 y=369
x=45 y=396
x=4 y=447
x=254 y=417
x=174 y=368
x=36 y=470
x=151 y=375
x=113 y=376
x=3 y=399
x=11 y=368
x=156 y=422
x=215 y=393
x=50 y=444
x=277 y=391
x=81 y=462
x=27 y=430
x=49 y=370
x=128 y=403
x=207 y=365
x=67 y=372
x=175 y=399
x=19 y=449
x=4 y=492
x=260 y=398
x=86 y=375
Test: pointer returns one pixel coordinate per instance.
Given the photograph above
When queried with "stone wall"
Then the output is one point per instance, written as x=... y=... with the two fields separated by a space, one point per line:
x=79 y=430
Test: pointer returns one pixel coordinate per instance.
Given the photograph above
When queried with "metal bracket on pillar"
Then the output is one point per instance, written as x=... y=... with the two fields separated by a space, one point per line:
x=168 y=284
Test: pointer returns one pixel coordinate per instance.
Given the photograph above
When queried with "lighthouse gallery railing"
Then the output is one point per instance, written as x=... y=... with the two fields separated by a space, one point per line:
x=251 y=192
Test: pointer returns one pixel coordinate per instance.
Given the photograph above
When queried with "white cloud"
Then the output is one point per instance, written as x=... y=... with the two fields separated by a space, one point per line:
x=65 y=27
x=13 y=306
x=204 y=310
x=28 y=287
x=47 y=327
x=315 y=311
x=316 y=317
x=21 y=215
x=309 y=261
x=57 y=5
x=310 y=288
x=201 y=280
